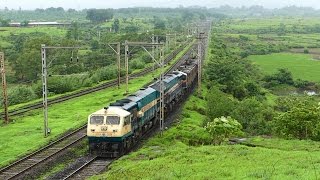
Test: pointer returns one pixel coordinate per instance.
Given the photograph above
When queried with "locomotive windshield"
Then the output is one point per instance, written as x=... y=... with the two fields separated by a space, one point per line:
x=96 y=119
x=113 y=120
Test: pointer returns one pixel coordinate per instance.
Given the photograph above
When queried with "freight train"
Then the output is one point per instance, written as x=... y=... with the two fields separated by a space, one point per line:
x=113 y=130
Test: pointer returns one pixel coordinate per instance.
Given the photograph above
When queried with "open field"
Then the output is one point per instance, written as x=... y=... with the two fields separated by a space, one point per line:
x=54 y=31
x=302 y=66
x=62 y=117
x=174 y=157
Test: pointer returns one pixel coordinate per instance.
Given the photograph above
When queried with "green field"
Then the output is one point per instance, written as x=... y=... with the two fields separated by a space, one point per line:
x=174 y=157
x=302 y=66
x=53 y=31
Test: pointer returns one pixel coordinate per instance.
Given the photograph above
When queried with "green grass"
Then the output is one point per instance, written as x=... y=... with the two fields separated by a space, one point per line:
x=302 y=66
x=53 y=31
x=174 y=157
x=25 y=134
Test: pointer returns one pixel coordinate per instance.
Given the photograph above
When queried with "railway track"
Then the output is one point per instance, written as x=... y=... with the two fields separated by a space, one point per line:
x=85 y=167
x=20 y=167
x=26 y=164
x=112 y=83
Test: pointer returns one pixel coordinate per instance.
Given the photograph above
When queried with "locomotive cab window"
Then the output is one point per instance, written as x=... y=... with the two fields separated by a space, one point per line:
x=113 y=120
x=126 y=120
x=96 y=120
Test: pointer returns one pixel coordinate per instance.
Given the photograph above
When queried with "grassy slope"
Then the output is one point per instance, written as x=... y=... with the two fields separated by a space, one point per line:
x=171 y=156
x=302 y=66
x=62 y=117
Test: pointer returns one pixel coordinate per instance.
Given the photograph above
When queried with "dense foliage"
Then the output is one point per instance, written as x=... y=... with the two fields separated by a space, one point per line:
x=300 y=118
x=221 y=129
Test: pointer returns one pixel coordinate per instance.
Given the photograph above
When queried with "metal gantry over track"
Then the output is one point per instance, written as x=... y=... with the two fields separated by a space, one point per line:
x=159 y=62
x=44 y=48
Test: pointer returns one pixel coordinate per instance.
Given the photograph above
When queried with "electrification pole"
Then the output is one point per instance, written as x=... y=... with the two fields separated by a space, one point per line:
x=4 y=88
x=118 y=53
x=45 y=83
x=161 y=91
x=126 y=57
x=119 y=64
x=199 y=63
x=44 y=88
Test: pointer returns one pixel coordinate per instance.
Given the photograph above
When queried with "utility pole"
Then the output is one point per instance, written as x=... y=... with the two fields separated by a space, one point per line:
x=4 y=88
x=126 y=57
x=45 y=83
x=44 y=88
x=161 y=91
x=199 y=64
x=167 y=42
x=118 y=53
x=153 y=54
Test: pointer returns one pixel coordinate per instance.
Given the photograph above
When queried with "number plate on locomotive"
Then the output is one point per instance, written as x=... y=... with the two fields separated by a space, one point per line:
x=104 y=128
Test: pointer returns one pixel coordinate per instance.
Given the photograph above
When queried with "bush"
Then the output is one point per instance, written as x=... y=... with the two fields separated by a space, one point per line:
x=103 y=74
x=223 y=128
x=302 y=121
x=283 y=76
x=20 y=94
x=252 y=114
x=137 y=64
x=218 y=104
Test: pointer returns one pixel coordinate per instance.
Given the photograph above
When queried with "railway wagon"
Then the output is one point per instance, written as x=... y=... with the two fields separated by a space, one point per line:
x=115 y=129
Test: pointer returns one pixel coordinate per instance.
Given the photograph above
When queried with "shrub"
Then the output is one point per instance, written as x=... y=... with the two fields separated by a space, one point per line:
x=218 y=104
x=302 y=121
x=20 y=94
x=103 y=74
x=137 y=64
x=223 y=128
x=252 y=114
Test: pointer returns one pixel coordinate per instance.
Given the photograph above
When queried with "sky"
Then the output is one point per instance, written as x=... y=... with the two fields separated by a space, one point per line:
x=82 y=4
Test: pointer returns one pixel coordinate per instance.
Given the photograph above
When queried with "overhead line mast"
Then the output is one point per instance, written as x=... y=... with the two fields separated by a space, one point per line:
x=44 y=49
x=4 y=88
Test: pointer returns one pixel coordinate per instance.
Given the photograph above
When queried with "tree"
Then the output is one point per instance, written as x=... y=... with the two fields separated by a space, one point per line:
x=99 y=15
x=116 y=25
x=24 y=23
x=251 y=114
x=282 y=29
x=218 y=104
x=4 y=22
x=301 y=121
x=27 y=66
x=73 y=32
x=283 y=76
x=159 y=23
x=232 y=74
x=223 y=128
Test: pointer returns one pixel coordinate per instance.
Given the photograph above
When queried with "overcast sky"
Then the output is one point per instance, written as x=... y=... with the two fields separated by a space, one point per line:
x=82 y=4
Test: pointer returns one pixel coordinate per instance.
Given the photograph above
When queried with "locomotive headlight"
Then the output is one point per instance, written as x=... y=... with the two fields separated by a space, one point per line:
x=115 y=130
